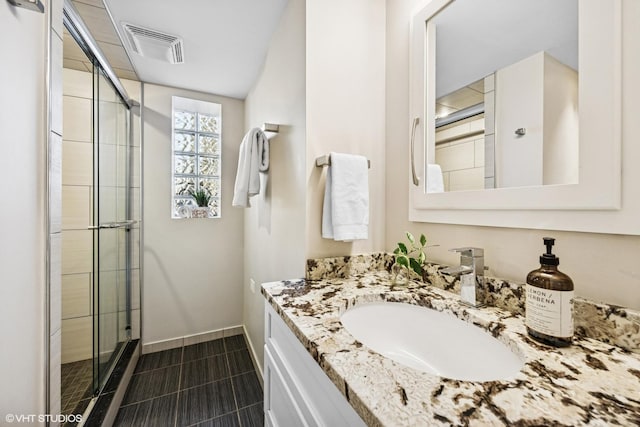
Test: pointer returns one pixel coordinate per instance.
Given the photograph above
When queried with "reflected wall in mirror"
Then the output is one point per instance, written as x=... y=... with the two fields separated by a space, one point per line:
x=506 y=95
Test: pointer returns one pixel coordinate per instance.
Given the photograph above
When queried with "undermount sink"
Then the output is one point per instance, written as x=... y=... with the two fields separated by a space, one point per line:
x=431 y=341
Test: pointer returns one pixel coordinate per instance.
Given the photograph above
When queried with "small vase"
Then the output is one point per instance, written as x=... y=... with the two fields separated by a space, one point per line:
x=399 y=275
x=200 y=212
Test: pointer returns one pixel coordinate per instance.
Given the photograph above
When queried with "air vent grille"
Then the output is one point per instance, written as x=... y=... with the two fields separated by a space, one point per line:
x=154 y=44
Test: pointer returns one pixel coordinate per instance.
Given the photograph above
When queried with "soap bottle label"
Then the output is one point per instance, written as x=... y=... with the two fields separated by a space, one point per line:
x=549 y=312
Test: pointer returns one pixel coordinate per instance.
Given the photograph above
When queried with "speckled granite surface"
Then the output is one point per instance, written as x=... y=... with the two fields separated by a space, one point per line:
x=608 y=323
x=589 y=383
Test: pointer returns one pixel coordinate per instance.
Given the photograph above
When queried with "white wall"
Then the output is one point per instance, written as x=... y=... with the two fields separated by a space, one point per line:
x=22 y=217
x=561 y=123
x=345 y=108
x=603 y=267
x=192 y=268
x=275 y=224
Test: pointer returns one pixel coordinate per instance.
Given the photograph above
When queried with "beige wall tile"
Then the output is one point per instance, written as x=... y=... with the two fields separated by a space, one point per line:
x=77 y=250
x=467 y=179
x=77 y=83
x=76 y=207
x=108 y=162
x=108 y=204
x=76 y=295
x=445 y=180
x=456 y=157
x=77 y=342
x=77 y=121
x=108 y=286
x=479 y=152
x=109 y=249
x=77 y=163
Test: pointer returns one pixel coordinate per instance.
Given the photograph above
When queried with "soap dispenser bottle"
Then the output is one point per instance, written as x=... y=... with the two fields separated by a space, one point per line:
x=549 y=301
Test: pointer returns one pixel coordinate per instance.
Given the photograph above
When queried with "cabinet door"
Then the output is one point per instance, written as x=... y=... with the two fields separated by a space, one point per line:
x=318 y=400
x=281 y=409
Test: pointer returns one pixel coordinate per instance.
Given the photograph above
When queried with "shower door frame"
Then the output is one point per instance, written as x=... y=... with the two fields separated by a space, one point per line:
x=75 y=25
x=105 y=249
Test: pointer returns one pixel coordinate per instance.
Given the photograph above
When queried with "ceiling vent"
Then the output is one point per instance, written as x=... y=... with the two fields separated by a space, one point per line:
x=154 y=44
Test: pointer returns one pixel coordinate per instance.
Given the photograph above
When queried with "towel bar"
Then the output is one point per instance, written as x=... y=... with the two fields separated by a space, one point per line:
x=270 y=130
x=326 y=161
x=270 y=127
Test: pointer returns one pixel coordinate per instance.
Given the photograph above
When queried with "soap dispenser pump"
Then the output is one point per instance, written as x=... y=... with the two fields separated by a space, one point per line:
x=549 y=301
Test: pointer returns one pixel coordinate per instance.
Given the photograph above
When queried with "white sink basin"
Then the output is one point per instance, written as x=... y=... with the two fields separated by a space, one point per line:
x=431 y=341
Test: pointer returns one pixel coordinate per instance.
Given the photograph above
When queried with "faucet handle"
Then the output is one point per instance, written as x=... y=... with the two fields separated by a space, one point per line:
x=469 y=251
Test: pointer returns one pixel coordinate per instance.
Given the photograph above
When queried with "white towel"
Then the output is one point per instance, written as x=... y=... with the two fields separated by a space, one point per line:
x=253 y=159
x=345 y=213
x=434 y=179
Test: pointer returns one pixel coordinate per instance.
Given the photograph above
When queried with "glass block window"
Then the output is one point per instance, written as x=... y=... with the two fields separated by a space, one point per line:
x=196 y=158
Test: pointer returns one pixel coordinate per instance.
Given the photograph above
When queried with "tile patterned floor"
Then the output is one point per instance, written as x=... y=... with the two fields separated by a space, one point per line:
x=76 y=379
x=212 y=384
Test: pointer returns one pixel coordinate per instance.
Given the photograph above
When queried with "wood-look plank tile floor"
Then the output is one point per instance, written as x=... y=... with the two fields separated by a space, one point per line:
x=211 y=384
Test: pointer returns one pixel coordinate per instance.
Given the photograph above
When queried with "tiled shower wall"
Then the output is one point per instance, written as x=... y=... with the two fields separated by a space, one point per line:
x=461 y=157
x=77 y=194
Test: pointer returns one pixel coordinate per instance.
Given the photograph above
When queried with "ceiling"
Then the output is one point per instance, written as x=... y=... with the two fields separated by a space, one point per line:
x=225 y=41
x=476 y=38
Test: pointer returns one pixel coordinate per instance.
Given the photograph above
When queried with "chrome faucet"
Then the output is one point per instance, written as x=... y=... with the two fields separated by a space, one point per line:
x=471 y=274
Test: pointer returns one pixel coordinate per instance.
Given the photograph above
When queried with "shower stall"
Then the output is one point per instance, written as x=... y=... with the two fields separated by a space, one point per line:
x=110 y=230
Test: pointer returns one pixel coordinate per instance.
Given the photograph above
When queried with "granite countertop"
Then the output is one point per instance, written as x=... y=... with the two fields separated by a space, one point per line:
x=588 y=383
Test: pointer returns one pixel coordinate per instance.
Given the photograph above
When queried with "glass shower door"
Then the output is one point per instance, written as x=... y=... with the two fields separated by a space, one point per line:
x=111 y=236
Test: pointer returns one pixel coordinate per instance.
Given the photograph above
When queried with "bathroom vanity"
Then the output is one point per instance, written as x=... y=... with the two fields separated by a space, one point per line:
x=317 y=373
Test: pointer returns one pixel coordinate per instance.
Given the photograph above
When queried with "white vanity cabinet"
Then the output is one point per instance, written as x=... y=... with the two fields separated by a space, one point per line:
x=296 y=390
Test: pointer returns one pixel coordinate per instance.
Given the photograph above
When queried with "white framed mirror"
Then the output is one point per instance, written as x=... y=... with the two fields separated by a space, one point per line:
x=598 y=187
x=506 y=106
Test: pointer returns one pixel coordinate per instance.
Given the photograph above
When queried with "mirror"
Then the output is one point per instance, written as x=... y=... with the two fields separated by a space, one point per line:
x=506 y=87
x=594 y=202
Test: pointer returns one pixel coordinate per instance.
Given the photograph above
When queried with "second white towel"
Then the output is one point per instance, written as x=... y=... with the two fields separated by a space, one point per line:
x=253 y=159
x=435 y=184
x=345 y=212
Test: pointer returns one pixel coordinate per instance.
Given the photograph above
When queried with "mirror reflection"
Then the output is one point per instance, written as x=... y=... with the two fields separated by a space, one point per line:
x=506 y=95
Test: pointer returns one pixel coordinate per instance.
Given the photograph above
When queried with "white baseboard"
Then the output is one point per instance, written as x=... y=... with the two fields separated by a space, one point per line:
x=156 y=346
x=254 y=357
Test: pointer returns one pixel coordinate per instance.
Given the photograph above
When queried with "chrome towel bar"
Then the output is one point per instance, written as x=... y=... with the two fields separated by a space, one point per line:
x=326 y=161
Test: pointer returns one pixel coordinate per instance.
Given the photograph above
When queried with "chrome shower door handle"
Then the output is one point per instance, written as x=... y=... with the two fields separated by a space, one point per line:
x=414 y=176
x=121 y=224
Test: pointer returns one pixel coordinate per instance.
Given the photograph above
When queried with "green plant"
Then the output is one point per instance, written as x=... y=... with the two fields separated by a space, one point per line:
x=411 y=256
x=202 y=197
